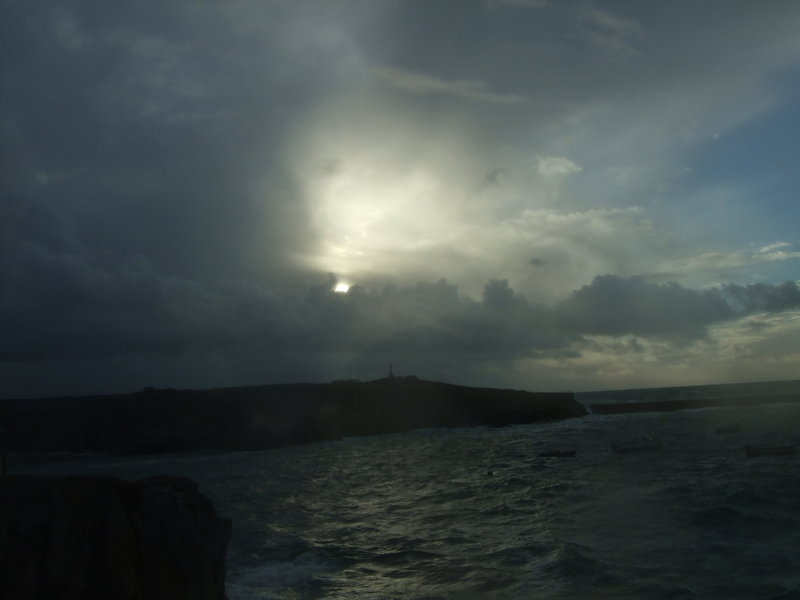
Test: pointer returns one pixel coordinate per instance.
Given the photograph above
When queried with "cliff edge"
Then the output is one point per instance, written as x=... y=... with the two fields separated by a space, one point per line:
x=260 y=417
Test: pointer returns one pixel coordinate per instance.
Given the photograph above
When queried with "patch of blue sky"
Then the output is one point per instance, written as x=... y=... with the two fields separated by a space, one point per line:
x=740 y=193
x=763 y=154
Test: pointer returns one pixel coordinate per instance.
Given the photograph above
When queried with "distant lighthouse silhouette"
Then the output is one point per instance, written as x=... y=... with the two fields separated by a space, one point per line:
x=390 y=371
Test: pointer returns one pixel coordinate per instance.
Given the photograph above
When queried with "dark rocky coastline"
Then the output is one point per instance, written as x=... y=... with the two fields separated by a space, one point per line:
x=98 y=538
x=252 y=418
x=670 y=405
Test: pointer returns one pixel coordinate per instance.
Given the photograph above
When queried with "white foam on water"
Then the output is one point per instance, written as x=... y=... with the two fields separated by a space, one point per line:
x=274 y=576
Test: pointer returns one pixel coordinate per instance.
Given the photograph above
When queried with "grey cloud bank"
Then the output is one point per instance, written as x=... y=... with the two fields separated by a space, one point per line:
x=518 y=192
x=58 y=305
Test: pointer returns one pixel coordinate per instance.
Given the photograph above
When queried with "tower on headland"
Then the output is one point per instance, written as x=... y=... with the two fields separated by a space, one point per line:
x=391 y=375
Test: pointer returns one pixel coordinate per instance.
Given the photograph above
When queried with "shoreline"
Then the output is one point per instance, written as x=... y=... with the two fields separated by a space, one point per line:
x=271 y=416
x=614 y=408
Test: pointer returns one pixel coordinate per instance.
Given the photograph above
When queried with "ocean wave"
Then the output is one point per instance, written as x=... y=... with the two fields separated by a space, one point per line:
x=270 y=576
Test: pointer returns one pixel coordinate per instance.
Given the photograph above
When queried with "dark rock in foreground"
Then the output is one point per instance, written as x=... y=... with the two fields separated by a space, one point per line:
x=252 y=418
x=106 y=539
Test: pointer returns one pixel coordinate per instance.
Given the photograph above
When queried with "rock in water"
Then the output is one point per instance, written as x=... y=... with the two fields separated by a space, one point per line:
x=101 y=538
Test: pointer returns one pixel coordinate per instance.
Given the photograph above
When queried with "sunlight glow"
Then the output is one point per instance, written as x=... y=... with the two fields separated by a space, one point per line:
x=341 y=288
x=367 y=211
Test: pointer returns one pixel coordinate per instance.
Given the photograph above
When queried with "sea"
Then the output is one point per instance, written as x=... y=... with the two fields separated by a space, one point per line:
x=475 y=514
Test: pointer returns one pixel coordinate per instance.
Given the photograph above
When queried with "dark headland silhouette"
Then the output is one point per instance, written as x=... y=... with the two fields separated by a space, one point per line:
x=268 y=416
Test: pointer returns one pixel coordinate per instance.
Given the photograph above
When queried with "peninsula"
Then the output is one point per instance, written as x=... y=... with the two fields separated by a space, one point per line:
x=269 y=416
x=614 y=408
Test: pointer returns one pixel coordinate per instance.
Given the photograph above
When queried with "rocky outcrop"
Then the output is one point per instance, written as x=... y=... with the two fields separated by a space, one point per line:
x=106 y=539
x=255 y=418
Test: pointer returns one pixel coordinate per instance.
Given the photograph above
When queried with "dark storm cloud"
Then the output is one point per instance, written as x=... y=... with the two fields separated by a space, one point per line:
x=59 y=302
x=761 y=297
x=618 y=306
x=160 y=132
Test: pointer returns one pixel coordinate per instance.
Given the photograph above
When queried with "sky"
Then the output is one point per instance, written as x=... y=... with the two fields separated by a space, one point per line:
x=525 y=194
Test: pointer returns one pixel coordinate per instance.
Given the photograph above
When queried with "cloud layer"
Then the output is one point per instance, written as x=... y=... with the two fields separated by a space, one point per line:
x=516 y=191
x=58 y=303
